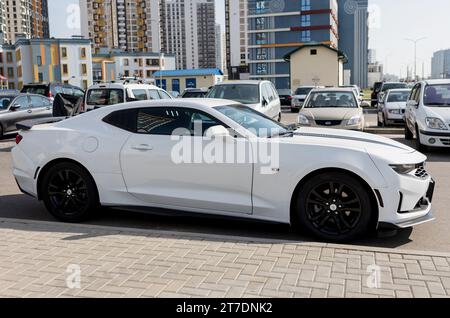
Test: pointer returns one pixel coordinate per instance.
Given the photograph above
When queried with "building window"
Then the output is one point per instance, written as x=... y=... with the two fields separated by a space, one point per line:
x=1 y=57
x=306 y=5
x=305 y=20
x=126 y=62
x=126 y=73
x=39 y=60
x=40 y=77
x=260 y=23
x=19 y=71
x=65 y=69
x=85 y=84
x=313 y=52
x=261 y=54
x=9 y=57
x=260 y=7
x=64 y=52
x=261 y=68
x=84 y=69
x=18 y=56
x=261 y=38
x=10 y=72
x=83 y=53
x=305 y=36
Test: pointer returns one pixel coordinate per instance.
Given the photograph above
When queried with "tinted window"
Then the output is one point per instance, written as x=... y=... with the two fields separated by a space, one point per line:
x=194 y=94
x=140 y=94
x=437 y=95
x=242 y=93
x=331 y=100
x=5 y=101
x=303 y=90
x=393 y=86
x=35 y=89
x=78 y=92
x=164 y=121
x=397 y=97
x=124 y=119
x=153 y=93
x=104 y=97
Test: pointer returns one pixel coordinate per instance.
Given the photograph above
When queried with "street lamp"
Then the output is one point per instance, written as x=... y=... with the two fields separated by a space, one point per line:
x=160 y=51
x=415 y=53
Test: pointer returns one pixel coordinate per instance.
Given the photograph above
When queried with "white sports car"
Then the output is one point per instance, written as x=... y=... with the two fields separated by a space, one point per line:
x=336 y=184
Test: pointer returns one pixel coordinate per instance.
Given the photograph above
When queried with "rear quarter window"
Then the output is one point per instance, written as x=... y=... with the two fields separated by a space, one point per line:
x=123 y=119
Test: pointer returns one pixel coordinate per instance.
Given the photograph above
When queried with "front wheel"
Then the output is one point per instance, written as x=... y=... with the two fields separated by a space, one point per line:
x=69 y=192
x=334 y=207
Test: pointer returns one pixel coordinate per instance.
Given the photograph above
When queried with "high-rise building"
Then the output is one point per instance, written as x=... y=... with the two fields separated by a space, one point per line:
x=188 y=28
x=276 y=28
x=354 y=38
x=220 y=39
x=440 y=64
x=236 y=38
x=27 y=18
x=129 y=25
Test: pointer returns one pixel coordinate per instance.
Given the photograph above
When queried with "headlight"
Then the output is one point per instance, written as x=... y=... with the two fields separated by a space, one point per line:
x=303 y=120
x=394 y=111
x=435 y=123
x=404 y=169
x=355 y=120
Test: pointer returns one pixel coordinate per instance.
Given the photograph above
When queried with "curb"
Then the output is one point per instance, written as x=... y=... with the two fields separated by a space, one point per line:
x=225 y=237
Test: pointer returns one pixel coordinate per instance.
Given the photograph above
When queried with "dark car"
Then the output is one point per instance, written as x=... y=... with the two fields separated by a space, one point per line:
x=194 y=93
x=19 y=107
x=376 y=90
x=52 y=89
x=285 y=96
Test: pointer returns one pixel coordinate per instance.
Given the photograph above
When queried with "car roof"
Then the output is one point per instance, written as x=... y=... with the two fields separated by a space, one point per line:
x=195 y=90
x=334 y=89
x=122 y=86
x=400 y=90
x=243 y=82
x=437 y=81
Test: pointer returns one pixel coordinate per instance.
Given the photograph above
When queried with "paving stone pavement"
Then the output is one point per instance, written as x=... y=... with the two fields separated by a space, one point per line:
x=43 y=259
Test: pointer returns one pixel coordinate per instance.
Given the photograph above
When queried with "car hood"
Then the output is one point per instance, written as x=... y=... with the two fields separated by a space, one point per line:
x=439 y=112
x=376 y=146
x=397 y=105
x=330 y=113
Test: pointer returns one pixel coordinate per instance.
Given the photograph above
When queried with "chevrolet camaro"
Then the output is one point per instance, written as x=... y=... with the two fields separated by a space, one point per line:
x=336 y=184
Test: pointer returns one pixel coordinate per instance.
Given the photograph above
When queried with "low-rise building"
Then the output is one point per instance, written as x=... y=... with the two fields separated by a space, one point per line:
x=45 y=61
x=179 y=80
x=317 y=65
x=113 y=65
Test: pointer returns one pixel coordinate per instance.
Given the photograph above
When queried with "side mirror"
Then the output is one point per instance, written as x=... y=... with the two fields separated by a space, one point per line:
x=365 y=104
x=15 y=107
x=217 y=132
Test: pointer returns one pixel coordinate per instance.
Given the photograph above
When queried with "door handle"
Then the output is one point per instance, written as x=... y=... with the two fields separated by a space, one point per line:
x=142 y=148
x=29 y=111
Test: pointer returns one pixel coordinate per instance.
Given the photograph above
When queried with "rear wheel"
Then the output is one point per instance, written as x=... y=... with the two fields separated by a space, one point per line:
x=1 y=131
x=334 y=207
x=279 y=117
x=69 y=192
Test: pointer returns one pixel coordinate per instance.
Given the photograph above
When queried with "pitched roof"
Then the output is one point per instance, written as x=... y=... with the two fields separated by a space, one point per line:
x=341 y=54
x=197 y=72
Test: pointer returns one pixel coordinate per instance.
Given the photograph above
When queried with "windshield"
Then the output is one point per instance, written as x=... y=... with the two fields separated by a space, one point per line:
x=104 y=97
x=194 y=94
x=303 y=90
x=437 y=95
x=389 y=86
x=254 y=121
x=398 y=97
x=331 y=100
x=284 y=92
x=39 y=90
x=242 y=93
x=5 y=101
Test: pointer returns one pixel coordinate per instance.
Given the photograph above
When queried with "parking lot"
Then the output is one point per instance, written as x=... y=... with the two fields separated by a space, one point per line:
x=433 y=236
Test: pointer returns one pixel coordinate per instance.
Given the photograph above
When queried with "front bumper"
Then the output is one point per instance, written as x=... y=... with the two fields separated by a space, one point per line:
x=435 y=138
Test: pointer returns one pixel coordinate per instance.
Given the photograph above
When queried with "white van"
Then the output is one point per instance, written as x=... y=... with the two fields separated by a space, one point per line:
x=105 y=94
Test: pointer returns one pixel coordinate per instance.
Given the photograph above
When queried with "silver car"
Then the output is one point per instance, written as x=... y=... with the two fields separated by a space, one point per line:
x=15 y=107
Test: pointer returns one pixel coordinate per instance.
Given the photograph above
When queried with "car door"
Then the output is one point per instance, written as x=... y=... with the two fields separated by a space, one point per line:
x=412 y=106
x=169 y=171
x=41 y=107
x=266 y=100
x=275 y=104
x=19 y=110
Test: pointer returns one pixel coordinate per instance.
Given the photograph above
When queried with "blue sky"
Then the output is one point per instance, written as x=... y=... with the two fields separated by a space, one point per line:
x=393 y=21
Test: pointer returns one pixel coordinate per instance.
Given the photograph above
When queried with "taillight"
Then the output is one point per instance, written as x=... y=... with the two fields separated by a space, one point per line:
x=289 y=98
x=82 y=107
x=18 y=139
x=50 y=95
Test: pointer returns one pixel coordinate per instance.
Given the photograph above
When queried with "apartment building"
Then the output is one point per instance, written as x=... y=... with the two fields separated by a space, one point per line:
x=47 y=60
x=236 y=39
x=276 y=28
x=27 y=18
x=129 y=25
x=440 y=64
x=113 y=65
x=188 y=28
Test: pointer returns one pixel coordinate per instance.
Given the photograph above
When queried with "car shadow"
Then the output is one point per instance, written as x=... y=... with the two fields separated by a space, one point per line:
x=169 y=224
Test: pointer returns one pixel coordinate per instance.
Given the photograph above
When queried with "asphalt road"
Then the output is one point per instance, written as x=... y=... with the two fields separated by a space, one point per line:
x=433 y=236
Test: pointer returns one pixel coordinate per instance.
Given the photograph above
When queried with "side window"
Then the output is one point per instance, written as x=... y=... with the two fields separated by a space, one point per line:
x=123 y=119
x=164 y=121
x=265 y=93
x=78 y=92
x=37 y=101
x=67 y=90
x=22 y=102
x=164 y=95
x=140 y=94
x=418 y=92
x=274 y=92
x=153 y=93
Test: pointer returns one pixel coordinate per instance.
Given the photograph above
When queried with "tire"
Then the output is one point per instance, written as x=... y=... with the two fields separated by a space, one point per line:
x=419 y=146
x=408 y=134
x=69 y=192
x=279 y=118
x=1 y=131
x=341 y=216
x=293 y=110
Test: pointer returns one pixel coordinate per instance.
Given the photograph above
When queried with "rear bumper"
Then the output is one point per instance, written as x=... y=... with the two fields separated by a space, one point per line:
x=24 y=172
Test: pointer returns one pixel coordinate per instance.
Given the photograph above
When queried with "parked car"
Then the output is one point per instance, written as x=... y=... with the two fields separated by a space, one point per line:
x=106 y=94
x=332 y=107
x=375 y=91
x=18 y=107
x=387 y=86
x=259 y=95
x=194 y=93
x=285 y=96
x=299 y=97
x=52 y=89
x=392 y=109
x=347 y=185
x=428 y=114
